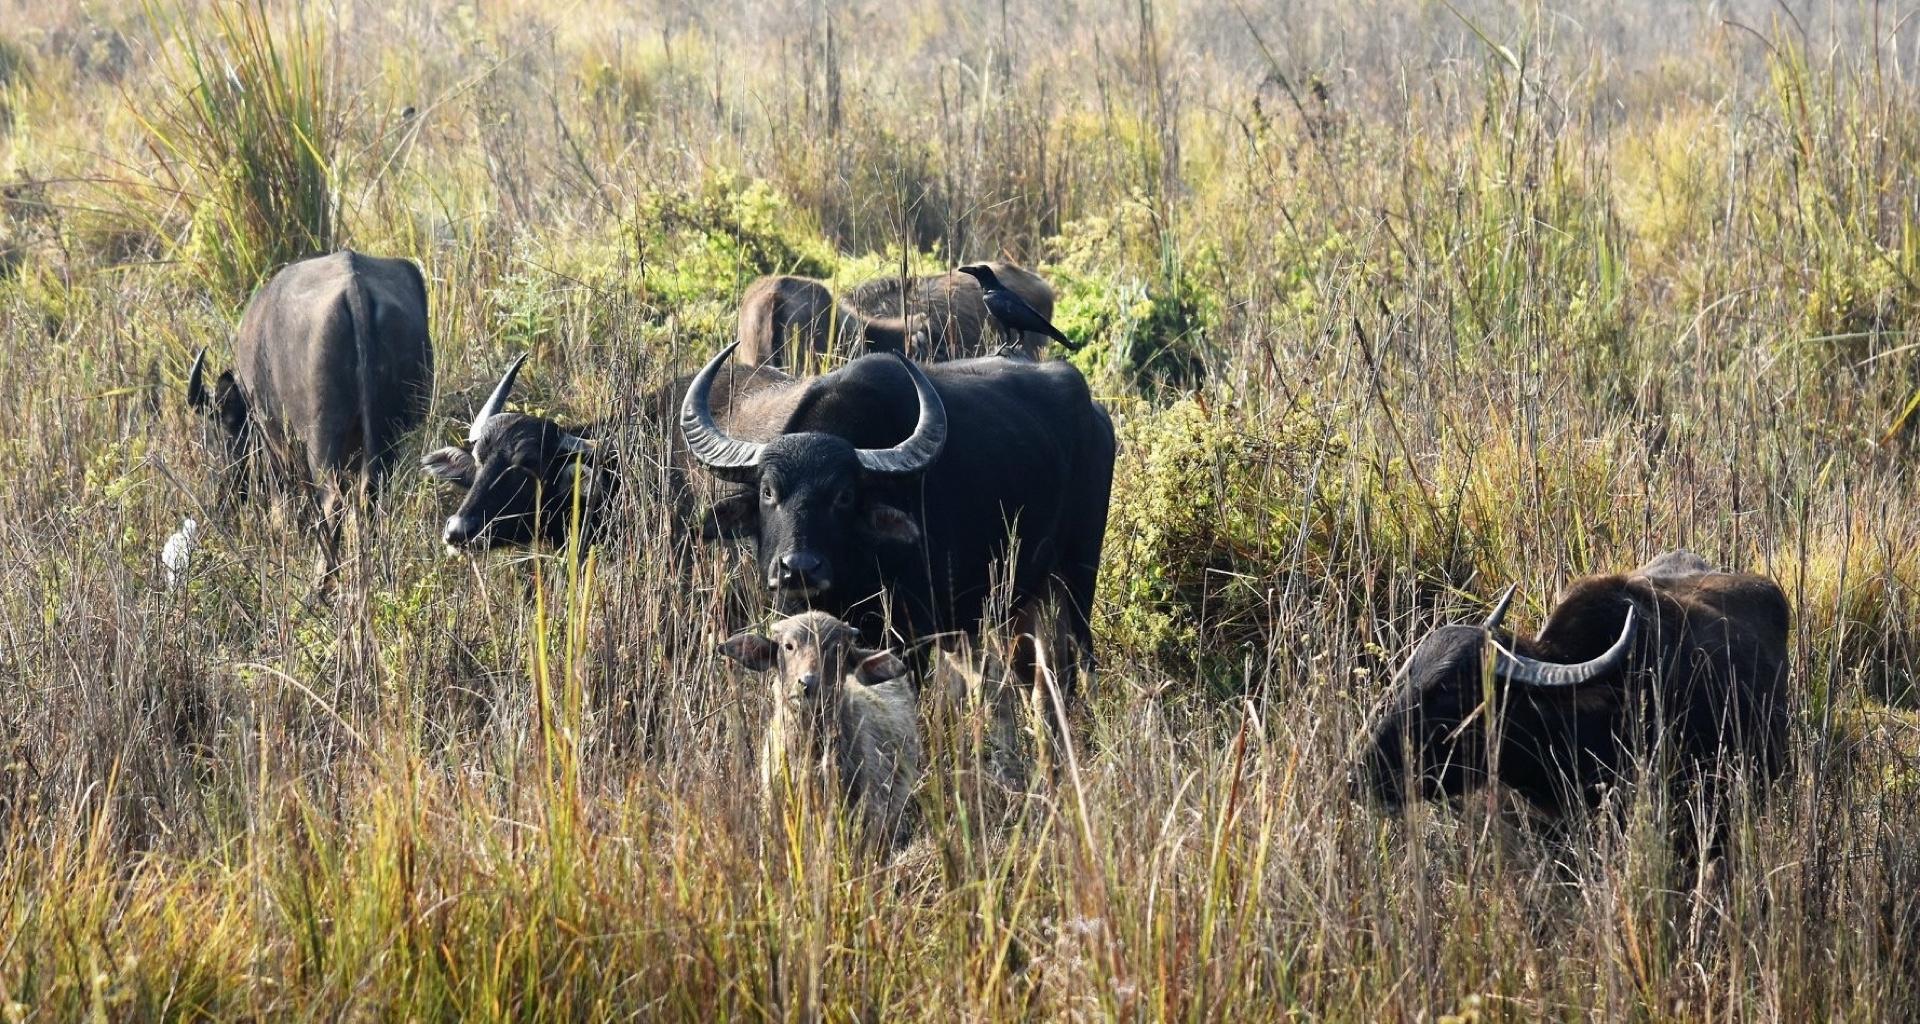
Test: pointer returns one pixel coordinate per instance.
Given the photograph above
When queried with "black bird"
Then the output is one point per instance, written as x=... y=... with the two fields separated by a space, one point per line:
x=1011 y=311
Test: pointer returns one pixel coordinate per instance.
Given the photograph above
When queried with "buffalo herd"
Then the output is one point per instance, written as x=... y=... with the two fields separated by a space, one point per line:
x=906 y=465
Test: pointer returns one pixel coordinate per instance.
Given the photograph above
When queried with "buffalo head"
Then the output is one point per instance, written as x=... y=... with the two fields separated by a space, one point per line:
x=1463 y=680
x=225 y=404
x=813 y=502
x=523 y=476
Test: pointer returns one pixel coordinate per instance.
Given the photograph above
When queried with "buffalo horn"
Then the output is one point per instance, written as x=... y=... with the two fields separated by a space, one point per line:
x=496 y=402
x=729 y=458
x=1500 y=608
x=1517 y=668
x=918 y=451
x=197 y=381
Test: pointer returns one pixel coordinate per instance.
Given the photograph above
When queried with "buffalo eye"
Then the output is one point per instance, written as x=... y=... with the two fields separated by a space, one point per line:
x=766 y=493
x=843 y=500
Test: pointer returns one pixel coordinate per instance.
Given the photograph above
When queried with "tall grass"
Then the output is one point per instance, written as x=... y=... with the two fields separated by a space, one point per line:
x=1393 y=303
x=251 y=140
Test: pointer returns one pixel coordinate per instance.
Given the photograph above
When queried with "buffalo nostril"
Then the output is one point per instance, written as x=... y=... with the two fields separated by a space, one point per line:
x=801 y=563
x=459 y=530
x=801 y=570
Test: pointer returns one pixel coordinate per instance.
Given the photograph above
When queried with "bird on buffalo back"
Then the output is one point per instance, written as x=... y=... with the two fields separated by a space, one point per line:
x=1011 y=311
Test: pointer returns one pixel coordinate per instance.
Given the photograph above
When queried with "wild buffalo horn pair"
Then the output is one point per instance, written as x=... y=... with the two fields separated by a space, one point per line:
x=497 y=403
x=733 y=459
x=1518 y=668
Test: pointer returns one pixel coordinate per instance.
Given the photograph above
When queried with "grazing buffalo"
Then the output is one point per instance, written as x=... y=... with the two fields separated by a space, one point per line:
x=1673 y=659
x=526 y=477
x=786 y=319
x=888 y=495
x=955 y=311
x=331 y=369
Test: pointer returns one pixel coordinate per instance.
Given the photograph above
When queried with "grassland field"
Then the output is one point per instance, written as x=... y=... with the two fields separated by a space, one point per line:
x=1393 y=302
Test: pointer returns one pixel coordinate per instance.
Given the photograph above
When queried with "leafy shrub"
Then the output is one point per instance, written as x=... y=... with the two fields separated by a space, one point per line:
x=698 y=243
x=1128 y=295
x=1211 y=504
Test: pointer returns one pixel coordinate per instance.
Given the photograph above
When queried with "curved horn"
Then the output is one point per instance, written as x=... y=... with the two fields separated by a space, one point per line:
x=929 y=436
x=729 y=458
x=197 y=381
x=1500 y=608
x=496 y=402
x=1520 y=669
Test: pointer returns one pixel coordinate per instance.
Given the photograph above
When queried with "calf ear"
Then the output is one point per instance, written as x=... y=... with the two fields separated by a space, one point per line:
x=750 y=649
x=735 y=515
x=877 y=667
x=454 y=465
x=890 y=525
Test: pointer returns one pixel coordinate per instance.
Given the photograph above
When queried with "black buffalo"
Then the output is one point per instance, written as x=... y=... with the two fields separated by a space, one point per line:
x=1673 y=659
x=890 y=495
x=529 y=481
x=332 y=368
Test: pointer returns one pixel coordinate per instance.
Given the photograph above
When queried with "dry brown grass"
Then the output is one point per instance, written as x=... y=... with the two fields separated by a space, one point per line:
x=1394 y=302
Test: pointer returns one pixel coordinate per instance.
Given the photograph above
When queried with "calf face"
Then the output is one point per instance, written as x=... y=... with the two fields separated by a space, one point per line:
x=811 y=656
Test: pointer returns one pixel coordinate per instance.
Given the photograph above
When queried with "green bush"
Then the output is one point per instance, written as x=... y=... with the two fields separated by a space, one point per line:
x=1129 y=295
x=1211 y=504
x=695 y=244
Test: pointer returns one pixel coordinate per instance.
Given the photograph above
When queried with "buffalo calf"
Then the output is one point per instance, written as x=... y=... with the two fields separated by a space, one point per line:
x=785 y=320
x=842 y=709
x=954 y=309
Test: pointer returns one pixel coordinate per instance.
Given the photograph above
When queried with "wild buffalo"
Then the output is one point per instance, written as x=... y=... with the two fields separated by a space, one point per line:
x=1673 y=660
x=955 y=310
x=786 y=319
x=891 y=495
x=845 y=482
x=332 y=367
x=528 y=480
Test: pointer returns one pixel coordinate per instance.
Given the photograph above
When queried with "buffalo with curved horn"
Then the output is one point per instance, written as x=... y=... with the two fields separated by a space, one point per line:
x=521 y=476
x=1674 y=658
x=890 y=495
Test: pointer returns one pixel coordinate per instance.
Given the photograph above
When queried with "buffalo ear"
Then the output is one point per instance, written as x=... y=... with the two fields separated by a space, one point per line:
x=231 y=402
x=877 y=667
x=754 y=651
x=732 y=516
x=590 y=479
x=454 y=465
x=886 y=523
